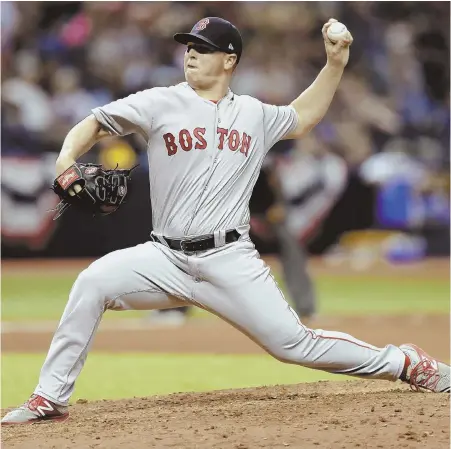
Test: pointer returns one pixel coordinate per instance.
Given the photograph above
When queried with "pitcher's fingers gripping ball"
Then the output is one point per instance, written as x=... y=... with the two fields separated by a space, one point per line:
x=337 y=40
x=337 y=31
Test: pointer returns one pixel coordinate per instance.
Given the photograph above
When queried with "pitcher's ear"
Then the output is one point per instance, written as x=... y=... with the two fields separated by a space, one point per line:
x=230 y=61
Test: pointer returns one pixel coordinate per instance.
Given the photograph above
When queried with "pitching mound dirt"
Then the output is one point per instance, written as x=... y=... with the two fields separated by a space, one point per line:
x=355 y=414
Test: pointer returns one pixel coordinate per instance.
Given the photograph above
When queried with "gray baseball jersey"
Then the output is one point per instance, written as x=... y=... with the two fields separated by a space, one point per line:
x=204 y=157
x=204 y=160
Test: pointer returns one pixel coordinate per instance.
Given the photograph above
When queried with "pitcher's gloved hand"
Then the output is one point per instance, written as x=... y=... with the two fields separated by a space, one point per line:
x=91 y=188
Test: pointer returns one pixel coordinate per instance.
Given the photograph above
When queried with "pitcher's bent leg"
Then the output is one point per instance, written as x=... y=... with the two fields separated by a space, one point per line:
x=244 y=293
x=133 y=278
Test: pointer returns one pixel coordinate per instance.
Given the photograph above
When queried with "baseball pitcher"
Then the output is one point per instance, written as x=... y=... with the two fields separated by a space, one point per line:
x=205 y=148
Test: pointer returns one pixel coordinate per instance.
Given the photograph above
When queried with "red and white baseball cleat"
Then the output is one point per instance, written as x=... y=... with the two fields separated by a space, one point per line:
x=37 y=409
x=424 y=372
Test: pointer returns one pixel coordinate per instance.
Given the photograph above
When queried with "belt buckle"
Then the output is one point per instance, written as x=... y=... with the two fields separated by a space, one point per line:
x=183 y=242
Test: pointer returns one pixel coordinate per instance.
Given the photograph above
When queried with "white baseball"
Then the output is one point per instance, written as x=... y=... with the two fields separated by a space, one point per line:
x=337 y=31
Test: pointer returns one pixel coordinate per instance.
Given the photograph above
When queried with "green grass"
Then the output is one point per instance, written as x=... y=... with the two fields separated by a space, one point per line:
x=44 y=297
x=107 y=376
x=365 y=295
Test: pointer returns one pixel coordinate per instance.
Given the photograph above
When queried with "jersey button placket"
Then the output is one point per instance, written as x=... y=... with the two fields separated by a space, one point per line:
x=219 y=121
x=214 y=154
x=216 y=121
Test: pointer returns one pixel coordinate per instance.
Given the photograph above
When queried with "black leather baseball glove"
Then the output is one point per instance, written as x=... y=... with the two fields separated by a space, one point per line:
x=91 y=188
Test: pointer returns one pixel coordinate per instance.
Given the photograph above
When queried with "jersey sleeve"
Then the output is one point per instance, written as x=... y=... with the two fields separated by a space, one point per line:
x=278 y=122
x=132 y=114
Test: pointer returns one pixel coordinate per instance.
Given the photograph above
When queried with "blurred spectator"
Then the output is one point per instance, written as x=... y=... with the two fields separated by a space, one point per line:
x=70 y=100
x=25 y=92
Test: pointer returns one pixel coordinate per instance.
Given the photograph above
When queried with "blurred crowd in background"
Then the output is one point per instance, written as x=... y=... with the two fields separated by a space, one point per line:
x=61 y=59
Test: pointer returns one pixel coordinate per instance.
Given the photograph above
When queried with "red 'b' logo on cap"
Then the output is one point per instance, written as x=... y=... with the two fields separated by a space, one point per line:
x=202 y=24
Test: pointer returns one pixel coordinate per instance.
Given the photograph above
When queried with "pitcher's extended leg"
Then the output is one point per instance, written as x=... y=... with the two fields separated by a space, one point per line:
x=238 y=287
x=142 y=277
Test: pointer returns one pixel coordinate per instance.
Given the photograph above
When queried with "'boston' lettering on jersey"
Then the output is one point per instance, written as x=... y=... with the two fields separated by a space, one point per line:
x=175 y=122
x=187 y=140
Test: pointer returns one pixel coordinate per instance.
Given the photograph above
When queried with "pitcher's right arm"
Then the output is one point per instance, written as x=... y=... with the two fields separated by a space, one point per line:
x=132 y=114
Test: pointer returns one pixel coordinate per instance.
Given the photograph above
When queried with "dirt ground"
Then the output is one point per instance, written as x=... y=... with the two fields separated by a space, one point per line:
x=356 y=414
x=344 y=415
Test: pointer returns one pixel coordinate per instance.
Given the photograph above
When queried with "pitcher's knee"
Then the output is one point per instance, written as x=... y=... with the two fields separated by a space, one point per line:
x=285 y=355
x=289 y=351
x=89 y=285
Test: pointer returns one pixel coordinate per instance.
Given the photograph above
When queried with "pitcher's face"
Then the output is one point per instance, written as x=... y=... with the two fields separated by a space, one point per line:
x=203 y=64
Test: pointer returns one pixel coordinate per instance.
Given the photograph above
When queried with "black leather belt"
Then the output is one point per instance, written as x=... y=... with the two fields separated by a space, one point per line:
x=200 y=243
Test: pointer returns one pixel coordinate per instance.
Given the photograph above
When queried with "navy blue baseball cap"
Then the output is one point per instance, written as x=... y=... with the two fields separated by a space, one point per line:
x=214 y=31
